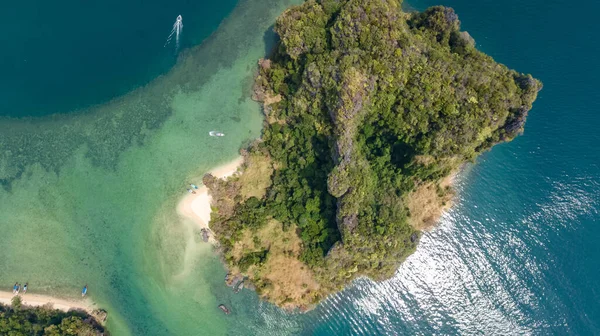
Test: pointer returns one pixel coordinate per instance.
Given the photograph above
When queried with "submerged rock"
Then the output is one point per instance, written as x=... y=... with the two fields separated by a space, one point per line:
x=205 y=235
x=233 y=280
x=100 y=315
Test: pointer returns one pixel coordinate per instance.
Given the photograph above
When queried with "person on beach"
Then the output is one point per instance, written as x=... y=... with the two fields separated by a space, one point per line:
x=15 y=288
x=25 y=288
x=191 y=191
x=18 y=288
x=194 y=186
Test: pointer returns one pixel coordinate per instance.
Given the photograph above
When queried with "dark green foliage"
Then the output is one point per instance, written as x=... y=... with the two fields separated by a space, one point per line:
x=253 y=258
x=374 y=102
x=22 y=321
x=303 y=30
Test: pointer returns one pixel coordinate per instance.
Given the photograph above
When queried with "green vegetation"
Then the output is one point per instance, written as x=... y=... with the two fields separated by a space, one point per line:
x=366 y=106
x=18 y=320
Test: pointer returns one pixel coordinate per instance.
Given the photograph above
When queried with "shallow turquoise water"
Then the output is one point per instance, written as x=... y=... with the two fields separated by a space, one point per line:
x=90 y=197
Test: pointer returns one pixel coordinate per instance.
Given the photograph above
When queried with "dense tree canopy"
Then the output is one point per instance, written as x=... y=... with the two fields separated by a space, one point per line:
x=364 y=105
x=17 y=320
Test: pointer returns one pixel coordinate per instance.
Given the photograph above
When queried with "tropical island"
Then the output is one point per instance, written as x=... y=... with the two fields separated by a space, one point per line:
x=369 y=113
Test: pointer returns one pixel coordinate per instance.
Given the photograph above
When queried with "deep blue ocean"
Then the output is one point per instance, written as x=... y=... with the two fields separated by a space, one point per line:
x=67 y=55
x=520 y=251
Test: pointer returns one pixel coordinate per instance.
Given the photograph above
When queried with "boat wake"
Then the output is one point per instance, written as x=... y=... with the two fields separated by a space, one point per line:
x=177 y=30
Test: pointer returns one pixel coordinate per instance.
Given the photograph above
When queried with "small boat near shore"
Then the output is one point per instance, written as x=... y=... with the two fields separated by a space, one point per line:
x=239 y=286
x=216 y=134
x=84 y=291
x=224 y=309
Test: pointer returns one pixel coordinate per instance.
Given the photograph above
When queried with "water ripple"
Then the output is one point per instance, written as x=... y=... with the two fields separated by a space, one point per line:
x=477 y=273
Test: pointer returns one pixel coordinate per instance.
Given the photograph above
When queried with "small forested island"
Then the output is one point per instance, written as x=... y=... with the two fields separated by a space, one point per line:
x=20 y=320
x=369 y=111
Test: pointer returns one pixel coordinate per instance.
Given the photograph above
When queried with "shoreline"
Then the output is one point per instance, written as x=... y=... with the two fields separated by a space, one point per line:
x=37 y=300
x=196 y=207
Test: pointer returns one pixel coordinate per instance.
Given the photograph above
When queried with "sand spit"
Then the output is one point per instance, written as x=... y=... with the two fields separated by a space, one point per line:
x=197 y=206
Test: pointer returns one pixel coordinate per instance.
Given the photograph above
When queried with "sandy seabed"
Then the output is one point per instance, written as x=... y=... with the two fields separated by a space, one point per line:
x=195 y=207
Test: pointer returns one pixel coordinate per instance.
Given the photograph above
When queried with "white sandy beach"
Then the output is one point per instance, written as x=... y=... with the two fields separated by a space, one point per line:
x=30 y=299
x=197 y=206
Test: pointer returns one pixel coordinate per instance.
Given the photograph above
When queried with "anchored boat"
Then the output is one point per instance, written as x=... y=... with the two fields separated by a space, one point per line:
x=224 y=309
x=239 y=286
x=216 y=134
